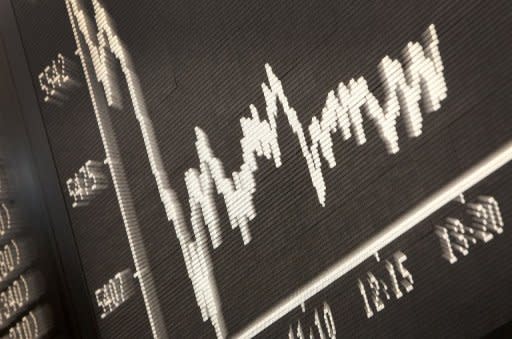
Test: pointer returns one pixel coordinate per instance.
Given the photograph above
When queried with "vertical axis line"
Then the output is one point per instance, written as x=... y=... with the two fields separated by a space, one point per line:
x=122 y=190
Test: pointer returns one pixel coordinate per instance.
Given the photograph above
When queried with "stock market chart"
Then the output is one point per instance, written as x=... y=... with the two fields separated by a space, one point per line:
x=282 y=169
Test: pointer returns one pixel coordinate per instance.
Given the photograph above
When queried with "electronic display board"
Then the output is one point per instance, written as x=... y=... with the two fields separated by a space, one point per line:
x=282 y=169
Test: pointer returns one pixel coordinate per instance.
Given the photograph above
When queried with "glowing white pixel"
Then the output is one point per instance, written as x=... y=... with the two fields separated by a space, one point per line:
x=57 y=78
x=457 y=237
x=379 y=288
x=327 y=322
x=19 y=294
x=6 y=223
x=15 y=255
x=115 y=292
x=34 y=325
x=87 y=183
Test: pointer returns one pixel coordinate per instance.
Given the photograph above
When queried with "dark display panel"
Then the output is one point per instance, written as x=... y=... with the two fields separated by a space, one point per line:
x=32 y=293
x=145 y=102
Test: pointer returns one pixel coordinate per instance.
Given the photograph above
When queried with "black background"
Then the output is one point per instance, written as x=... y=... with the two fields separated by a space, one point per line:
x=201 y=64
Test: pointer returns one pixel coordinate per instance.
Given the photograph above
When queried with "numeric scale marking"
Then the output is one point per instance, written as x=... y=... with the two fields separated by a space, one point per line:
x=342 y=112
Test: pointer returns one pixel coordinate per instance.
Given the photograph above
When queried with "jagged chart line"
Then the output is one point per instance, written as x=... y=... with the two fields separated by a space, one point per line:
x=422 y=80
x=342 y=112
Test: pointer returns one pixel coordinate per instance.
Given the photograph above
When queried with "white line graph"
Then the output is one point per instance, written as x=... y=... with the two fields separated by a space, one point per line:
x=420 y=78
